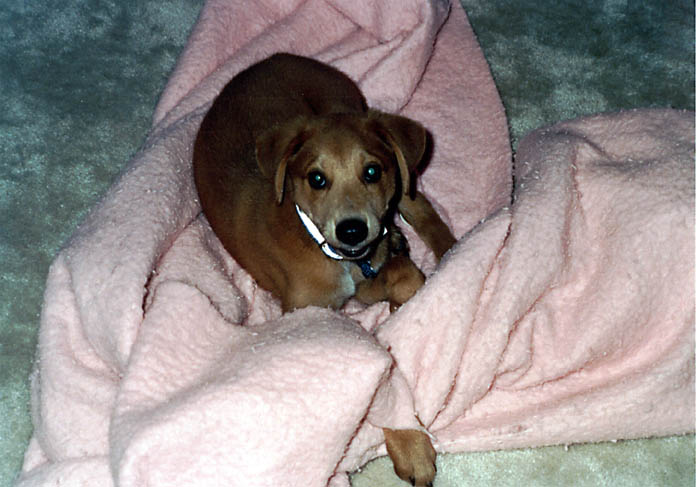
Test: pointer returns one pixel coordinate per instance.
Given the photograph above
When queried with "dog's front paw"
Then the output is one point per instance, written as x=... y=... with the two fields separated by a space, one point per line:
x=412 y=455
x=403 y=279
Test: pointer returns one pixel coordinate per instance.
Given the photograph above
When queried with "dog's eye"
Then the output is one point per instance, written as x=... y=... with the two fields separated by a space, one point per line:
x=317 y=180
x=372 y=173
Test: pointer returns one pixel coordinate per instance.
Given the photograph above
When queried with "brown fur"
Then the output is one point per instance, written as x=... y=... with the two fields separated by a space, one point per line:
x=273 y=128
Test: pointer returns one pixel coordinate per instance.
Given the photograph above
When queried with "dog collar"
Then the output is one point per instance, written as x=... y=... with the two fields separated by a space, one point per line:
x=364 y=264
x=317 y=235
x=366 y=269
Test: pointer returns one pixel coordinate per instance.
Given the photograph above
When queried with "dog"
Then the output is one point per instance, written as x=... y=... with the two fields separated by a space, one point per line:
x=301 y=182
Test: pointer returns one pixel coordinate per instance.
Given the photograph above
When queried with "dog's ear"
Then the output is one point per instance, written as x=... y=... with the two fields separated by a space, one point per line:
x=407 y=139
x=275 y=147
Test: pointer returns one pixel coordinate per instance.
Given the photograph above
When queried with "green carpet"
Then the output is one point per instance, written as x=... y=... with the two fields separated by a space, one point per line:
x=79 y=83
x=553 y=60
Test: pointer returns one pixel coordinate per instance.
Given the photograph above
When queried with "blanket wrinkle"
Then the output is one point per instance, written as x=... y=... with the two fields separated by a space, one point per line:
x=564 y=317
x=442 y=346
x=409 y=53
x=234 y=374
x=87 y=395
x=343 y=42
x=110 y=287
x=378 y=21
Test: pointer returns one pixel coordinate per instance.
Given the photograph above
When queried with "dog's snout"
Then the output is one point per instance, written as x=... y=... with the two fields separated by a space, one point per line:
x=352 y=231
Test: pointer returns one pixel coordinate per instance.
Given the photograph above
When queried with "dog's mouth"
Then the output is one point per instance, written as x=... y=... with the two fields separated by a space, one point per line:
x=355 y=254
x=335 y=251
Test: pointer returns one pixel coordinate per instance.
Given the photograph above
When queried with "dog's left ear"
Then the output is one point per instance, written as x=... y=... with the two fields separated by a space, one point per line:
x=407 y=139
x=275 y=147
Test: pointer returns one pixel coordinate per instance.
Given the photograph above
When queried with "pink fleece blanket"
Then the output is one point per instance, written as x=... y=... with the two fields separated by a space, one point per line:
x=566 y=316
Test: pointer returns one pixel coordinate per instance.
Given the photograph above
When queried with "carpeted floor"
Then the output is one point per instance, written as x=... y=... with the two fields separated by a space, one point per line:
x=79 y=83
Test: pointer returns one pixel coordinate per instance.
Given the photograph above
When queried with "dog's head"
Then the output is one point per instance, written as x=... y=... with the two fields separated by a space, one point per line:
x=344 y=171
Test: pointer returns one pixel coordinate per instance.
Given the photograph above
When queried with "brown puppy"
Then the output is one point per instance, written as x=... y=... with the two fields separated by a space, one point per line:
x=301 y=182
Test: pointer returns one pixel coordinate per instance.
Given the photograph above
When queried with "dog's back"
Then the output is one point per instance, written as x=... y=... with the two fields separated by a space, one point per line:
x=277 y=90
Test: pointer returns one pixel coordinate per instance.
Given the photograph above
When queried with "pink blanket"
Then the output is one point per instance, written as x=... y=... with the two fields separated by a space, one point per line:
x=566 y=316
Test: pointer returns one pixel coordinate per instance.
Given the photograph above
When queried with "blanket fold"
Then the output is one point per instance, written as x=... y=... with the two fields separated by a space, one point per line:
x=575 y=306
x=562 y=316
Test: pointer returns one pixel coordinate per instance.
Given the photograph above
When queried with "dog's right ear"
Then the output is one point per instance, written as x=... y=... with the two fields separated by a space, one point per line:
x=275 y=147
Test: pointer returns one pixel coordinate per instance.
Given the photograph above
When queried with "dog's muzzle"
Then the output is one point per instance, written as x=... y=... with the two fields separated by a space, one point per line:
x=348 y=231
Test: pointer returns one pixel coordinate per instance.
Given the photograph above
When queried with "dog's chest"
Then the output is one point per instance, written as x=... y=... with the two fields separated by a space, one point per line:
x=347 y=281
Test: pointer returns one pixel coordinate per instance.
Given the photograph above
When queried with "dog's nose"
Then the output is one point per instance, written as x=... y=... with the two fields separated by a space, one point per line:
x=351 y=231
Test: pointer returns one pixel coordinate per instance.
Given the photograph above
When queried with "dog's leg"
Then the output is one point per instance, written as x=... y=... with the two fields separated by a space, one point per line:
x=419 y=213
x=397 y=281
x=412 y=455
x=402 y=280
